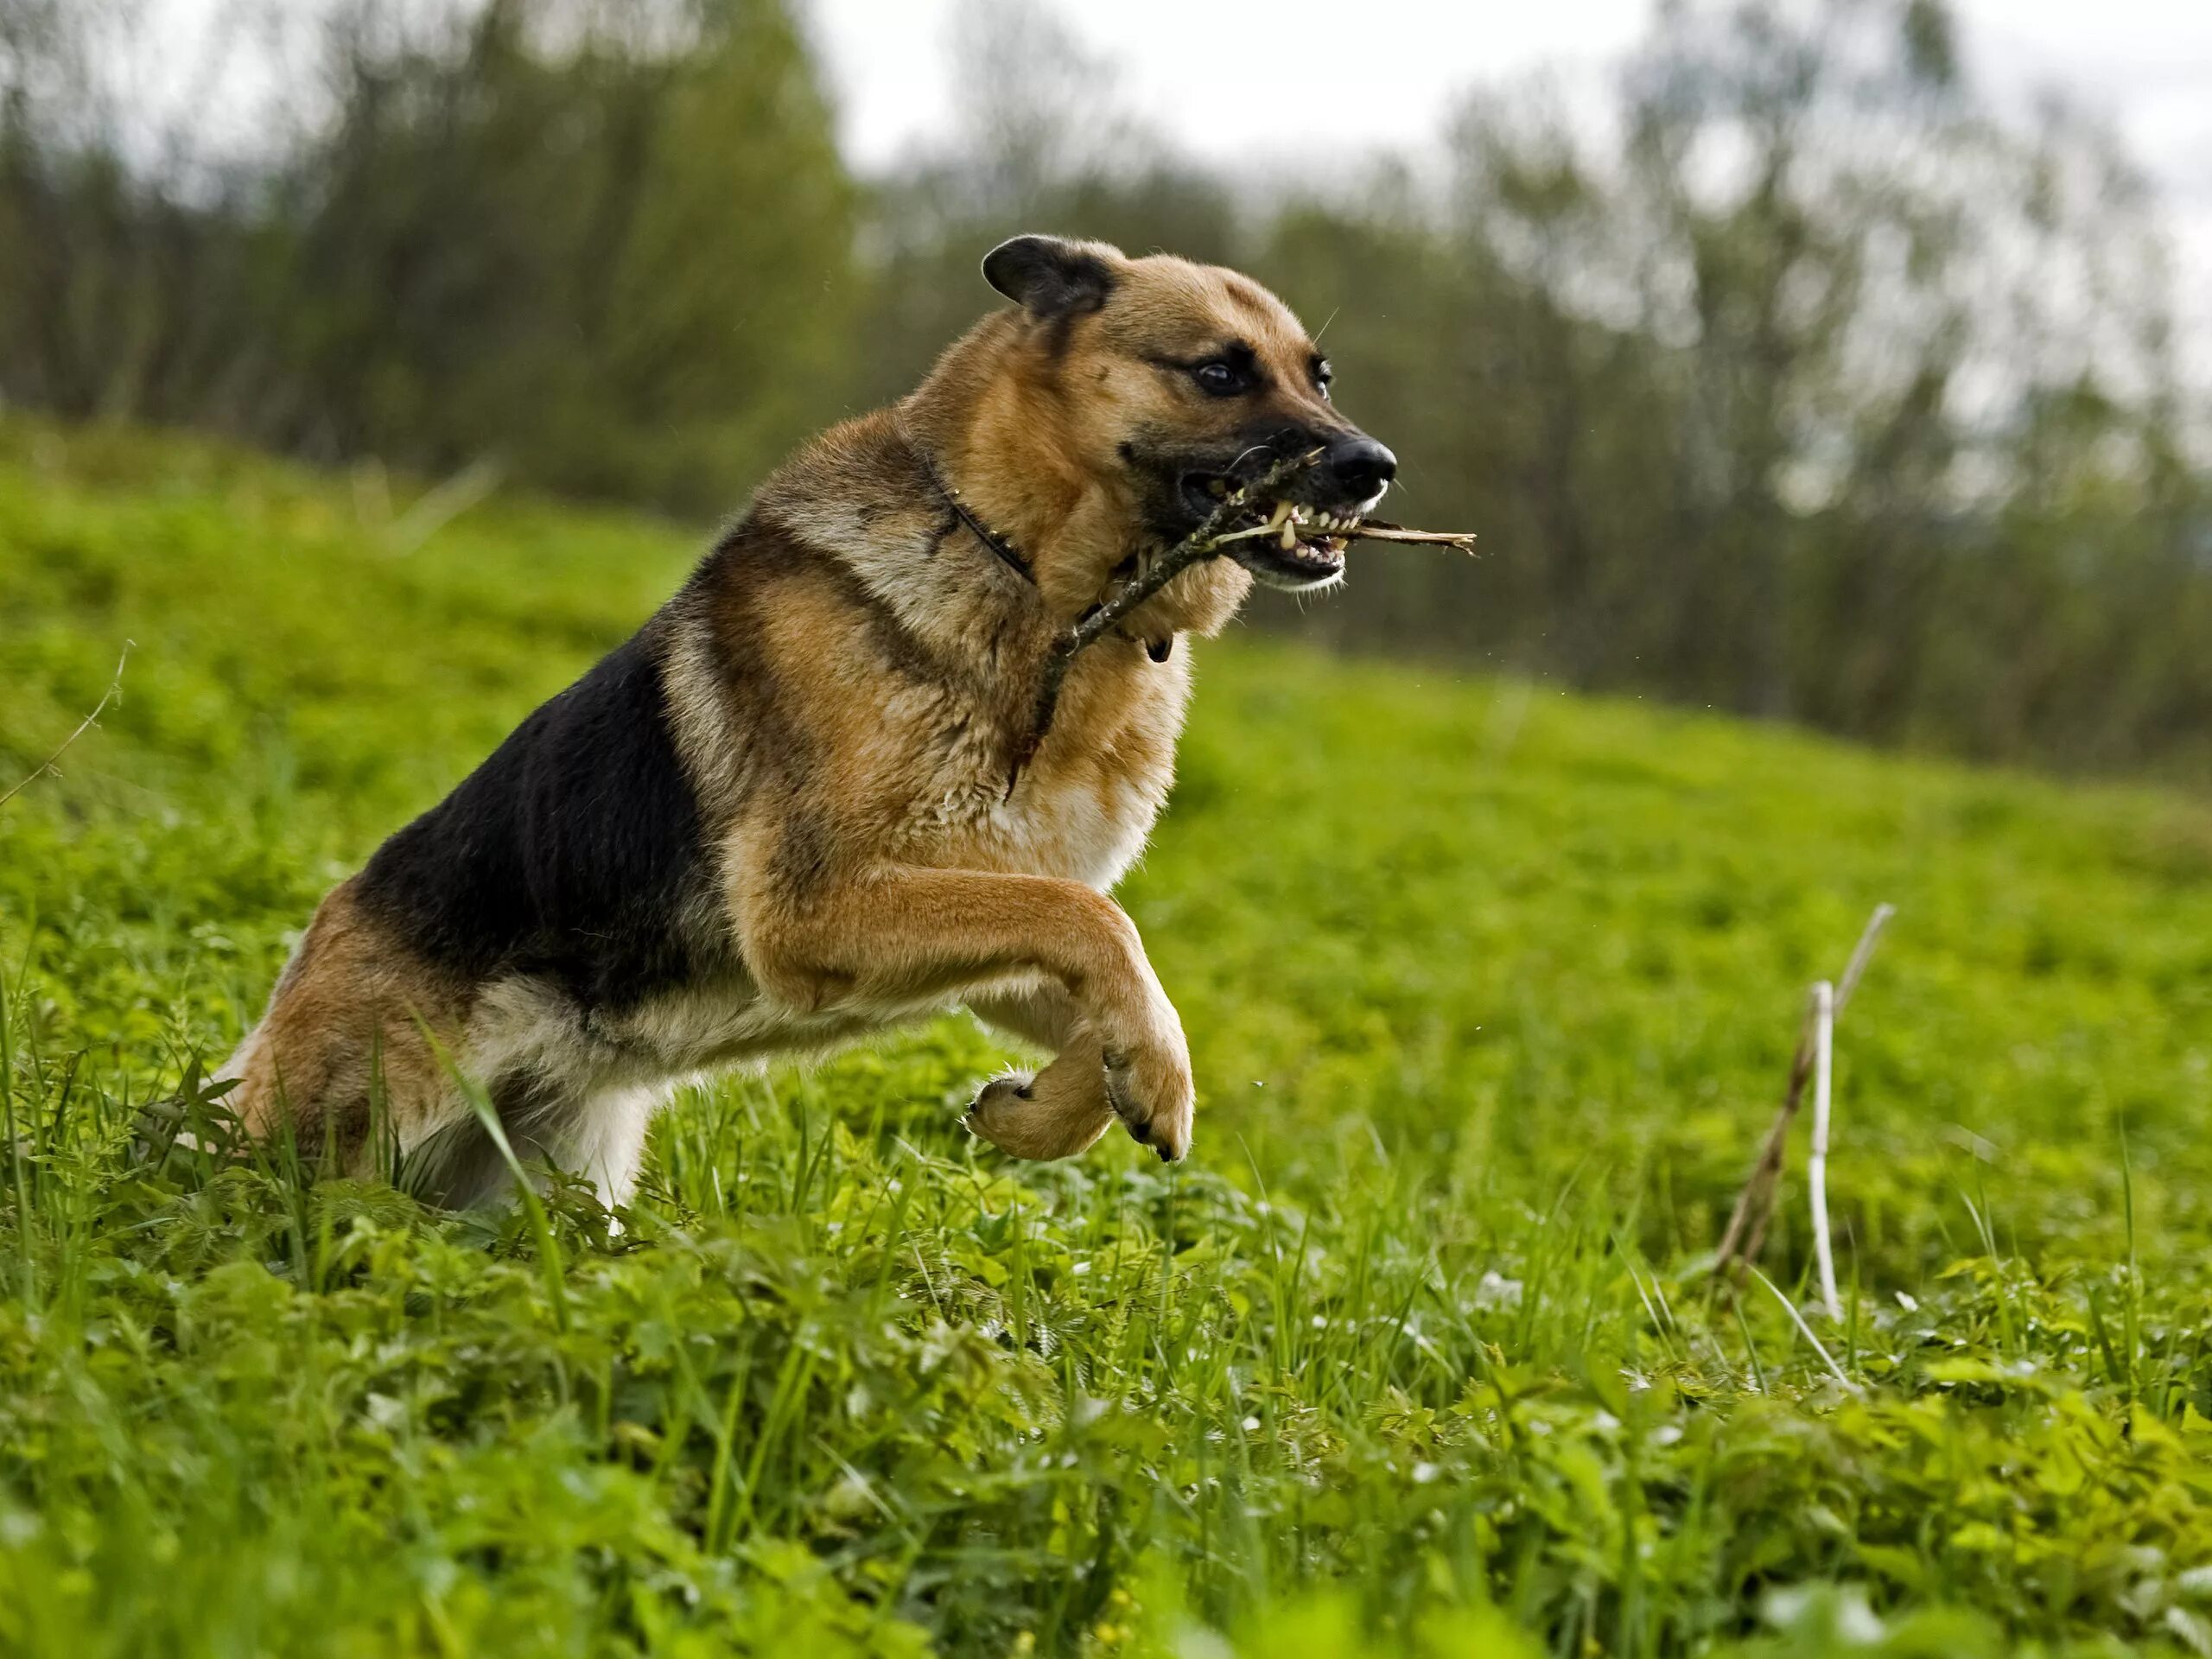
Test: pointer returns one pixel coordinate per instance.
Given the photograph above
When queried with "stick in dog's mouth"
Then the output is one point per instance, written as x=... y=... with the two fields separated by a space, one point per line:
x=1291 y=537
x=1286 y=544
x=1292 y=546
x=1238 y=518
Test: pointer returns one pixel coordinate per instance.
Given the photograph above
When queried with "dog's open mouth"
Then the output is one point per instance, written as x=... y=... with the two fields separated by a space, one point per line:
x=1286 y=544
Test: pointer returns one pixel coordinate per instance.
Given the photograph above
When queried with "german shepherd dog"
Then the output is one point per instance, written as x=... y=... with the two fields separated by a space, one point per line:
x=779 y=817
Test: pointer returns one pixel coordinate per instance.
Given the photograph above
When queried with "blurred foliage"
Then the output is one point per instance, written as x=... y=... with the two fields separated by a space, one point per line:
x=608 y=247
x=1790 y=374
x=1491 y=990
x=1792 y=381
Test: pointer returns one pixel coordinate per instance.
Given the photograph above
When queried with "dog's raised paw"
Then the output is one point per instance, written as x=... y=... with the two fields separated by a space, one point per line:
x=1055 y=1114
x=1157 y=1117
x=997 y=1113
x=999 y=1091
x=1142 y=1133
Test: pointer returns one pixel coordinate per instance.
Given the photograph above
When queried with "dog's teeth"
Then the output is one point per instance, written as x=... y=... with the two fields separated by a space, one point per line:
x=1281 y=512
x=1289 y=537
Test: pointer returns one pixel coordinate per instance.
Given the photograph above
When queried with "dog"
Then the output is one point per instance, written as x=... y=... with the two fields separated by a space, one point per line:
x=779 y=818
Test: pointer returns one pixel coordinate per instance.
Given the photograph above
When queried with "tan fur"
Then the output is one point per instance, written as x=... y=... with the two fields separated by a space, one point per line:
x=846 y=680
x=351 y=1027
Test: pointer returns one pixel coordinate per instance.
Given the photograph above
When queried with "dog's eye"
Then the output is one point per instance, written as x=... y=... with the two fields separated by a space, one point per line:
x=1322 y=375
x=1220 y=379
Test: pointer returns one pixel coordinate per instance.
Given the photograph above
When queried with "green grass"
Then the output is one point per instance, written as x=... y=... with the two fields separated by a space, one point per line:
x=1491 y=991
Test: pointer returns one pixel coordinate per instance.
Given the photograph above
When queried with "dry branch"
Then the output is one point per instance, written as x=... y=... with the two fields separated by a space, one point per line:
x=1747 y=1223
x=1816 y=1167
x=1209 y=540
x=113 y=693
x=1375 y=530
x=1203 y=543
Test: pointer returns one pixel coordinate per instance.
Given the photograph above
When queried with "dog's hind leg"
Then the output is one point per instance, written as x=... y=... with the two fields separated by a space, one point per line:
x=598 y=1134
x=1055 y=1113
x=349 y=1052
x=602 y=1138
x=456 y=1166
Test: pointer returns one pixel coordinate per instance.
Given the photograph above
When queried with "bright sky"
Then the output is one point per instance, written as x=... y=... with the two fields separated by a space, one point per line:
x=1274 y=82
x=1285 y=84
x=1214 y=74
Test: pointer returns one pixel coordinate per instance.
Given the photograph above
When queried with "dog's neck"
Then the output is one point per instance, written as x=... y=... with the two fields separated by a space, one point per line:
x=991 y=425
x=993 y=433
x=998 y=545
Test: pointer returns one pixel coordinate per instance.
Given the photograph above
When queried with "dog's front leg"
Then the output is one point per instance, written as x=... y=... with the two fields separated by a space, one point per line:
x=896 y=938
x=1059 y=1111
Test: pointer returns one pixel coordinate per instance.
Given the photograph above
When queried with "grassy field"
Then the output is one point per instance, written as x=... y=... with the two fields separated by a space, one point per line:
x=1491 y=991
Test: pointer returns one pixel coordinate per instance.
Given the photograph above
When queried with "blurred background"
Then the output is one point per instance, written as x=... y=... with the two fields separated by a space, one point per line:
x=1845 y=363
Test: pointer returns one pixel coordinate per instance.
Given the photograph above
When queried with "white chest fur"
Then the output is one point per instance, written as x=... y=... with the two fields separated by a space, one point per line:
x=1087 y=828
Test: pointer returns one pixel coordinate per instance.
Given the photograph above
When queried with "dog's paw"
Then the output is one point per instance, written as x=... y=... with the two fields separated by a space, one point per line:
x=996 y=1113
x=1152 y=1093
x=1056 y=1113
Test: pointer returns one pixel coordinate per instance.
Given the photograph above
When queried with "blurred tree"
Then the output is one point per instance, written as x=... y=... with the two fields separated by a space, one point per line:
x=1764 y=394
x=1785 y=375
x=1039 y=144
x=610 y=245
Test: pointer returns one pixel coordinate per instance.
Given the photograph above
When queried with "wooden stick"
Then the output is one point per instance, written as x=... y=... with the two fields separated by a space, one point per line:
x=1747 y=1223
x=1203 y=543
x=114 y=690
x=1860 y=954
x=1208 y=541
x=1374 y=530
x=1757 y=1189
x=1816 y=1169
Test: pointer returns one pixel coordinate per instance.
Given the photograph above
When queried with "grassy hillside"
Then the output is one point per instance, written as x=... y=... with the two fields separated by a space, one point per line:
x=1490 y=989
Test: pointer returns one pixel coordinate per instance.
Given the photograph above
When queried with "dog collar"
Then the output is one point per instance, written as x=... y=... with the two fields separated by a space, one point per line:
x=1009 y=555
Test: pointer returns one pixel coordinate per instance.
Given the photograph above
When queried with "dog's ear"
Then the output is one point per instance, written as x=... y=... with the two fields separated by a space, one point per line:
x=1049 y=275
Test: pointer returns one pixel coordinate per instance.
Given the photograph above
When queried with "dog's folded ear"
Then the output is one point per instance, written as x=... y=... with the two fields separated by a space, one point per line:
x=1050 y=275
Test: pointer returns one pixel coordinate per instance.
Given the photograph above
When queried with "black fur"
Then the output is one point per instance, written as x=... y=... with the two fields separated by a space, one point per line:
x=1051 y=278
x=568 y=854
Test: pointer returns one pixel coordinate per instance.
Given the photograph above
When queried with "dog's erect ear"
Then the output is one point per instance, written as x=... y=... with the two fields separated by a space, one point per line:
x=1050 y=275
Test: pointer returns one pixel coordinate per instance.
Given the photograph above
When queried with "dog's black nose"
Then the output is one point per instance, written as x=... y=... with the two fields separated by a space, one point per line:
x=1359 y=467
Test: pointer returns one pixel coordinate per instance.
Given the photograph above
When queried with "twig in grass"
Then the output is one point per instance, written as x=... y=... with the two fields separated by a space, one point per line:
x=1816 y=1168
x=1757 y=1191
x=440 y=505
x=1791 y=1308
x=1747 y=1223
x=113 y=694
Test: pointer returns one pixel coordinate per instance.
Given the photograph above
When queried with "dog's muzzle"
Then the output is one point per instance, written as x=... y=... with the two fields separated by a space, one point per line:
x=1308 y=525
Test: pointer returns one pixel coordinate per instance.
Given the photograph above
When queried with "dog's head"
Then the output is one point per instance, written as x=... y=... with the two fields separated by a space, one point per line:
x=1173 y=383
